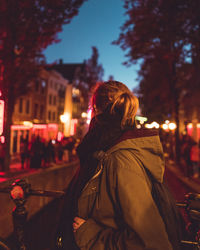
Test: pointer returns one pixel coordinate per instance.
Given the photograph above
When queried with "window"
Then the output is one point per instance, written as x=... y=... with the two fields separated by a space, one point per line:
x=35 y=110
x=41 y=111
x=43 y=83
x=20 y=105
x=54 y=100
x=49 y=115
x=50 y=99
x=27 y=106
x=54 y=116
x=37 y=84
x=43 y=86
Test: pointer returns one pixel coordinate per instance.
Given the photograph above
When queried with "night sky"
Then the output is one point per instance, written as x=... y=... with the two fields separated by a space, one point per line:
x=97 y=24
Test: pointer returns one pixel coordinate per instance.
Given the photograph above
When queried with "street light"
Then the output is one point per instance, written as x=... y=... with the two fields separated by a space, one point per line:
x=172 y=126
x=65 y=117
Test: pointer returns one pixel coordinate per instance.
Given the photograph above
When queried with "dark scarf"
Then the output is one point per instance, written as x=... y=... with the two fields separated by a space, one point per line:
x=104 y=131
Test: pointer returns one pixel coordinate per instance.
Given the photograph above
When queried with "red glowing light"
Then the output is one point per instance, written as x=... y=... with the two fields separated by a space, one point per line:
x=1 y=116
x=2 y=139
x=17 y=192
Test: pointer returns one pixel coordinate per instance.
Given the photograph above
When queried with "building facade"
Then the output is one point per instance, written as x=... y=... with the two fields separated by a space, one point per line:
x=38 y=113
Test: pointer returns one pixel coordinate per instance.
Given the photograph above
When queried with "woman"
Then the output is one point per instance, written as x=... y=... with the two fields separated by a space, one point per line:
x=115 y=208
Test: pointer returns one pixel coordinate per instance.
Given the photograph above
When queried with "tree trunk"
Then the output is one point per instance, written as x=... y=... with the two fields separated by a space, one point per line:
x=177 y=137
x=9 y=107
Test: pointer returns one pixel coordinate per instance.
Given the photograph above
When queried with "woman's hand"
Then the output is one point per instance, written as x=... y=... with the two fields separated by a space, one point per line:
x=77 y=223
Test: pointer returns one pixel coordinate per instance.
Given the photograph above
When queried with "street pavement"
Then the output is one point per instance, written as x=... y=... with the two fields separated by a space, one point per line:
x=192 y=183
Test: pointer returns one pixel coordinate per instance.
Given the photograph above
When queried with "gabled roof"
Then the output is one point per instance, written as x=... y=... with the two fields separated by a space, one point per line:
x=67 y=70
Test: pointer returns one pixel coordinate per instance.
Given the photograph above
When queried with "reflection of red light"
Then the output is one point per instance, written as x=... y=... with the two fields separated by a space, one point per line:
x=53 y=126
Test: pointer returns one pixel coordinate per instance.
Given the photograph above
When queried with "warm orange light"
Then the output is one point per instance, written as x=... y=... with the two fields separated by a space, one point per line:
x=65 y=117
x=172 y=125
x=165 y=126
x=52 y=126
x=190 y=125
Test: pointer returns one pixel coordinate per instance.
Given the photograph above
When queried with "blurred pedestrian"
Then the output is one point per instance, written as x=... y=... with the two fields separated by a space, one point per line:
x=60 y=151
x=2 y=155
x=24 y=153
x=186 y=145
x=194 y=157
x=37 y=153
x=113 y=207
x=49 y=152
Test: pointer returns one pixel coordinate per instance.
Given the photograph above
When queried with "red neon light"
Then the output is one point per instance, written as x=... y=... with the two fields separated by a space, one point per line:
x=20 y=127
x=39 y=126
x=1 y=116
x=2 y=139
x=52 y=126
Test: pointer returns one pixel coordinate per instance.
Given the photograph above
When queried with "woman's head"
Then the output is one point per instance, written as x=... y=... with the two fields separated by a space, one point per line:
x=115 y=99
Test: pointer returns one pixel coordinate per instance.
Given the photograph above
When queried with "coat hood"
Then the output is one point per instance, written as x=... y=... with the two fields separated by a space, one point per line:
x=145 y=145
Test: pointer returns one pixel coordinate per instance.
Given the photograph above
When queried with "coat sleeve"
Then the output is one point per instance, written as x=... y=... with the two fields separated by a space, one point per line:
x=143 y=227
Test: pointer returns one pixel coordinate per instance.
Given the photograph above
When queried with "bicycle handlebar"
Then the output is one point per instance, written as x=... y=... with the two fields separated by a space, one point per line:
x=47 y=193
x=33 y=192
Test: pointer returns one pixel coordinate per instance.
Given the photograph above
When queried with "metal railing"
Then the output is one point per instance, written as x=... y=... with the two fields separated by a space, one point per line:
x=20 y=190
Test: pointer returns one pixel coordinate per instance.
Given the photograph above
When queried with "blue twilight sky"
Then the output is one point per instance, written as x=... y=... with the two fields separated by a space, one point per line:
x=97 y=24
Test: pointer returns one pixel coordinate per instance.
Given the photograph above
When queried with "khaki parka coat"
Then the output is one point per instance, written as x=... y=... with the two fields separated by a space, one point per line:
x=117 y=204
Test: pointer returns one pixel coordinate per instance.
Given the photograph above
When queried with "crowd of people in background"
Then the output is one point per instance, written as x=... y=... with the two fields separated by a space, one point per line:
x=39 y=153
x=189 y=153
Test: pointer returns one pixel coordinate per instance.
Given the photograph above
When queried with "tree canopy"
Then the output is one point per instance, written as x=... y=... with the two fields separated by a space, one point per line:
x=27 y=27
x=94 y=70
x=165 y=35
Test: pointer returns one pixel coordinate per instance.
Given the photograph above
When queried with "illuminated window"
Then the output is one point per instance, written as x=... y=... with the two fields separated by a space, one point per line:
x=43 y=84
